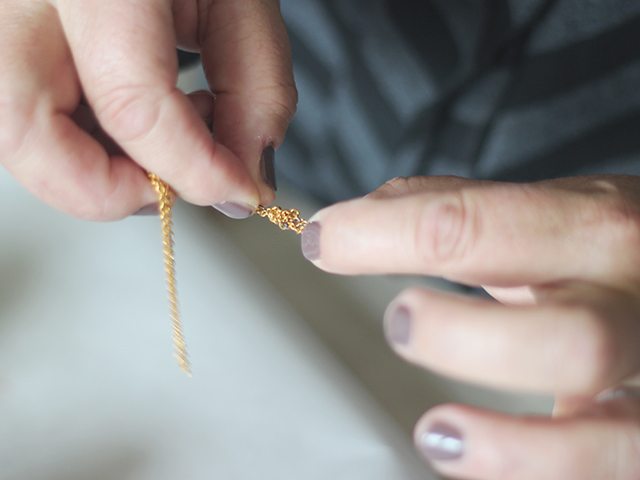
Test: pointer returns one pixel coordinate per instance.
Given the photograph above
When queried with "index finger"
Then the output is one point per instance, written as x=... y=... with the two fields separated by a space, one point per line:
x=125 y=56
x=482 y=233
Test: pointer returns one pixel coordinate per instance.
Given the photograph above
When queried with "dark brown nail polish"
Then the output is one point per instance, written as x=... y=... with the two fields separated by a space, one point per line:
x=267 y=167
x=441 y=441
x=397 y=325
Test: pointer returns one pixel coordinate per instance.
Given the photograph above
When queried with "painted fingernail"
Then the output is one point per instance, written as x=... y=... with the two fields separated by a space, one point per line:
x=311 y=241
x=616 y=393
x=267 y=167
x=441 y=442
x=397 y=325
x=234 y=210
x=149 y=210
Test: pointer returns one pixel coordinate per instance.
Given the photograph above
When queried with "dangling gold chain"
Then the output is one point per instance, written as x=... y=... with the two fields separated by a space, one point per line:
x=285 y=219
x=165 y=202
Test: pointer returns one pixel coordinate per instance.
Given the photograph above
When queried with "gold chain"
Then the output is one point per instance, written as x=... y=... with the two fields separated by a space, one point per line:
x=165 y=202
x=285 y=219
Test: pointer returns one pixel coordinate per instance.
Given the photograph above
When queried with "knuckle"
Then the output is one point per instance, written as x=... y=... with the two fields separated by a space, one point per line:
x=130 y=113
x=617 y=224
x=446 y=229
x=615 y=212
x=277 y=98
x=624 y=223
x=284 y=100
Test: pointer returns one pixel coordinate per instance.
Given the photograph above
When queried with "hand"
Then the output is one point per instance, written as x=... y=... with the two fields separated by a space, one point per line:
x=563 y=259
x=88 y=101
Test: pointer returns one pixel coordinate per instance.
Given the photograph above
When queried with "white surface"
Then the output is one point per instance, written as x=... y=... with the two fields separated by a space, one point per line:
x=88 y=387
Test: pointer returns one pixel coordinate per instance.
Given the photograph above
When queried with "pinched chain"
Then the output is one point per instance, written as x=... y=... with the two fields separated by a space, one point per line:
x=285 y=219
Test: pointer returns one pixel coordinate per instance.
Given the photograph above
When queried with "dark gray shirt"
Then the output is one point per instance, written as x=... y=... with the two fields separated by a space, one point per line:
x=503 y=89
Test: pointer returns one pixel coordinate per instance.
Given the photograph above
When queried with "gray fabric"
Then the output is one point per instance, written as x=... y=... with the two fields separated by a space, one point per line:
x=504 y=89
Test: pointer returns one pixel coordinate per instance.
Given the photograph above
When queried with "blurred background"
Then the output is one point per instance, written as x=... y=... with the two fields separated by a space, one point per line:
x=292 y=378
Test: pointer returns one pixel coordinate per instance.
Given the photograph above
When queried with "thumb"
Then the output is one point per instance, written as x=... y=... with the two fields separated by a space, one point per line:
x=125 y=57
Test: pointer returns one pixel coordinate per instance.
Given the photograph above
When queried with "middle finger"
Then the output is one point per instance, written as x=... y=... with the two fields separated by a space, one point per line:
x=563 y=347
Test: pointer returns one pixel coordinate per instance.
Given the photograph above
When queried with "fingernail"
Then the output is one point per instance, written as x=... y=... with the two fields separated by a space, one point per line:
x=234 y=210
x=311 y=241
x=149 y=210
x=267 y=167
x=616 y=393
x=441 y=442
x=397 y=325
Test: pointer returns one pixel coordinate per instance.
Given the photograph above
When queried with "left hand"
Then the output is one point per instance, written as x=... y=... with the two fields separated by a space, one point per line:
x=562 y=257
x=89 y=104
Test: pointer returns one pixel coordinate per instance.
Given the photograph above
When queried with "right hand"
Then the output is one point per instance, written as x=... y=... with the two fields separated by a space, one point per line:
x=88 y=101
x=562 y=259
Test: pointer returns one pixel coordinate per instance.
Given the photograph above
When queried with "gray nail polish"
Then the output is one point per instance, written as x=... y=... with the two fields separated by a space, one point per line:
x=440 y=442
x=397 y=325
x=149 y=210
x=617 y=393
x=311 y=241
x=267 y=166
x=234 y=210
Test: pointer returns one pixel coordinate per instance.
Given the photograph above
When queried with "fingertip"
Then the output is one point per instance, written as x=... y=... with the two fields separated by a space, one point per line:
x=416 y=325
x=314 y=237
x=440 y=437
x=469 y=442
x=311 y=238
x=448 y=440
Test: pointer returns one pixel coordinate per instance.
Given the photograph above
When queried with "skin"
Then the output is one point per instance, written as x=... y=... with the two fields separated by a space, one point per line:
x=88 y=100
x=562 y=259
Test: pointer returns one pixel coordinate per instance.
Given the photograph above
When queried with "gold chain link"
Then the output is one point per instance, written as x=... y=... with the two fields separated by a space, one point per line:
x=285 y=219
x=165 y=202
